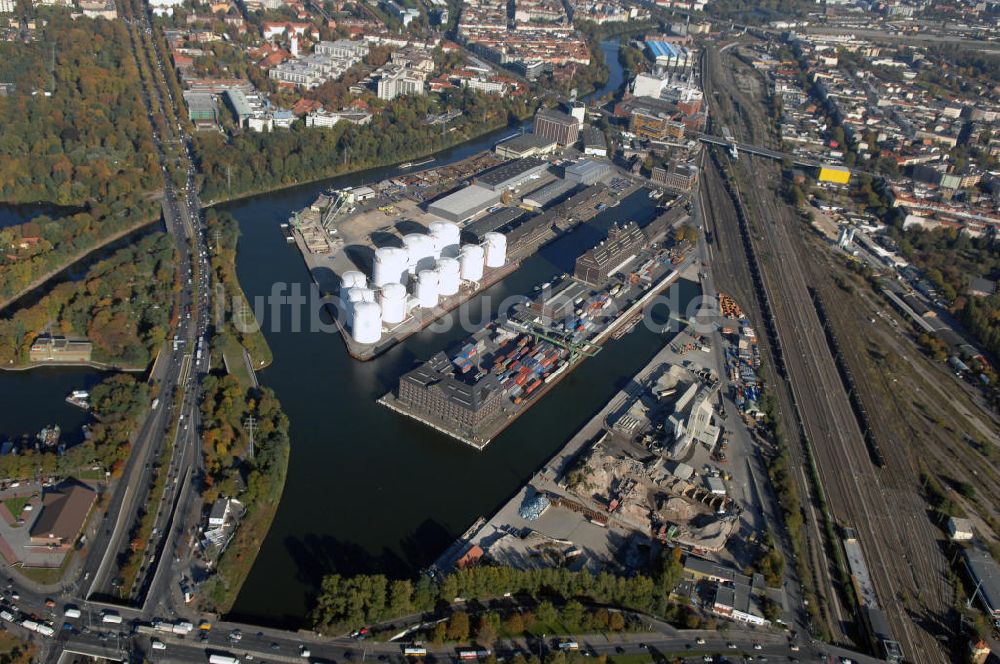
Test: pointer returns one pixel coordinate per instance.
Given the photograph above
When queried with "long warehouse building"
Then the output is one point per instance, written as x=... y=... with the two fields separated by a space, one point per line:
x=465 y=203
x=611 y=255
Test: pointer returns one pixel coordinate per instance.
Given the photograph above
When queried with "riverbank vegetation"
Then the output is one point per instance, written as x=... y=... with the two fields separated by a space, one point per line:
x=253 y=476
x=76 y=133
x=230 y=471
x=239 y=324
x=252 y=162
x=117 y=403
x=123 y=305
x=346 y=602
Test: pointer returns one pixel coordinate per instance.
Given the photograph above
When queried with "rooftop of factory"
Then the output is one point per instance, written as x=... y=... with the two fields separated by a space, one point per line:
x=986 y=574
x=662 y=48
x=586 y=167
x=593 y=137
x=438 y=372
x=550 y=193
x=509 y=171
x=525 y=142
x=465 y=199
x=238 y=100
x=556 y=116
x=494 y=221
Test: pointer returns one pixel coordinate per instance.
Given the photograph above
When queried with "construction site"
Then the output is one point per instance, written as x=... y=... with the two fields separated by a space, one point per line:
x=616 y=492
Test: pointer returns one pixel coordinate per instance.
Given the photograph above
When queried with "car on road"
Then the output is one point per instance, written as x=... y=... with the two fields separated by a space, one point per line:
x=757 y=646
x=700 y=641
x=275 y=646
x=731 y=646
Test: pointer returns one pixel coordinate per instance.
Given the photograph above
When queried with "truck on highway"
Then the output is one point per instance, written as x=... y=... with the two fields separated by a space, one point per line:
x=414 y=651
x=569 y=645
x=473 y=653
x=222 y=659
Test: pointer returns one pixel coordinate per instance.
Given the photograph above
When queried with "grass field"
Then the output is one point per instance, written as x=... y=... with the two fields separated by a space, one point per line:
x=16 y=505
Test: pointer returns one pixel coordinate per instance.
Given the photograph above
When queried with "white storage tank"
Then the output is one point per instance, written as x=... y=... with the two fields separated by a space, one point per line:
x=420 y=252
x=496 y=249
x=356 y=295
x=366 y=325
x=391 y=264
x=393 y=300
x=351 y=279
x=428 y=288
x=449 y=276
x=447 y=236
x=470 y=259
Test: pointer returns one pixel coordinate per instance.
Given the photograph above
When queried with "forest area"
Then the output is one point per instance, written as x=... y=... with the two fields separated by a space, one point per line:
x=75 y=134
x=116 y=404
x=252 y=162
x=346 y=602
x=123 y=305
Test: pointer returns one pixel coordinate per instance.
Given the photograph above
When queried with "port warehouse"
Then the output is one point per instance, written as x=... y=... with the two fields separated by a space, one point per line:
x=486 y=189
x=476 y=391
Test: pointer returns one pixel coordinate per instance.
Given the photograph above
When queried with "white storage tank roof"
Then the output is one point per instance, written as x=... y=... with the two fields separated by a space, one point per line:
x=420 y=251
x=366 y=327
x=471 y=261
x=449 y=276
x=355 y=295
x=391 y=264
x=496 y=249
x=428 y=288
x=393 y=300
x=351 y=279
x=447 y=237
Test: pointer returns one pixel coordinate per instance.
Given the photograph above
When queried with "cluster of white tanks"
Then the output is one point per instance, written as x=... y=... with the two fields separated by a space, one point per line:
x=437 y=263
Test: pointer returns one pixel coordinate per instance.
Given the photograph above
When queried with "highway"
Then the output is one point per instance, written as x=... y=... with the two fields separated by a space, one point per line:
x=899 y=543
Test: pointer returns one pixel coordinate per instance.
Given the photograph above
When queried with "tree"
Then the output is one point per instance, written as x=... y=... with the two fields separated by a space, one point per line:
x=616 y=622
x=546 y=614
x=514 y=625
x=486 y=632
x=458 y=626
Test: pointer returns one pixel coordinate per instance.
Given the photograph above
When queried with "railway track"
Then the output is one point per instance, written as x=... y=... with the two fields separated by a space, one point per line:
x=900 y=545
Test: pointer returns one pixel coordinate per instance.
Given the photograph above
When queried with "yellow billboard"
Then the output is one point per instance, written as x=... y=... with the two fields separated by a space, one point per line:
x=836 y=174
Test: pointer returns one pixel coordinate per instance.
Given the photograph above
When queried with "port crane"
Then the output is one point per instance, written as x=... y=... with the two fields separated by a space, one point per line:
x=539 y=333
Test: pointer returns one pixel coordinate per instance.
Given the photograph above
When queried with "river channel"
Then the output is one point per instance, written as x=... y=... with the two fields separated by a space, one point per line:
x=367 y=490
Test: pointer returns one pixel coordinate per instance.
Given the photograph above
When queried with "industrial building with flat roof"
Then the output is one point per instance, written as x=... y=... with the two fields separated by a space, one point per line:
x=562 y=128
x=433 y=389
x=594 y=143
x=549 y=194
x=622 y=245
x=511 y=174
x=464 y=204
x=984 y=574
x=587 y=171
x=494 y=221
x=525 y=145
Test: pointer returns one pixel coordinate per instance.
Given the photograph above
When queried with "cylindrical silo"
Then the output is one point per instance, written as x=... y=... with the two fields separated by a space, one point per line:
x=420 y=252
x=428 y=288
x=355 y=295
x=449 y=275
x=351 y=279
x=496 y=249
x=470 y=259
x=447 y=236
x=393 y=301
x=391 y=264
x=366 y=325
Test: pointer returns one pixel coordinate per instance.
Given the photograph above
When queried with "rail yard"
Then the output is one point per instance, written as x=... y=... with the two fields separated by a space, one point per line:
x=909 y=571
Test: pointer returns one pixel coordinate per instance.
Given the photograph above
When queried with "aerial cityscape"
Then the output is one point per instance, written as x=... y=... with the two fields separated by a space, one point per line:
x=524 y=331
